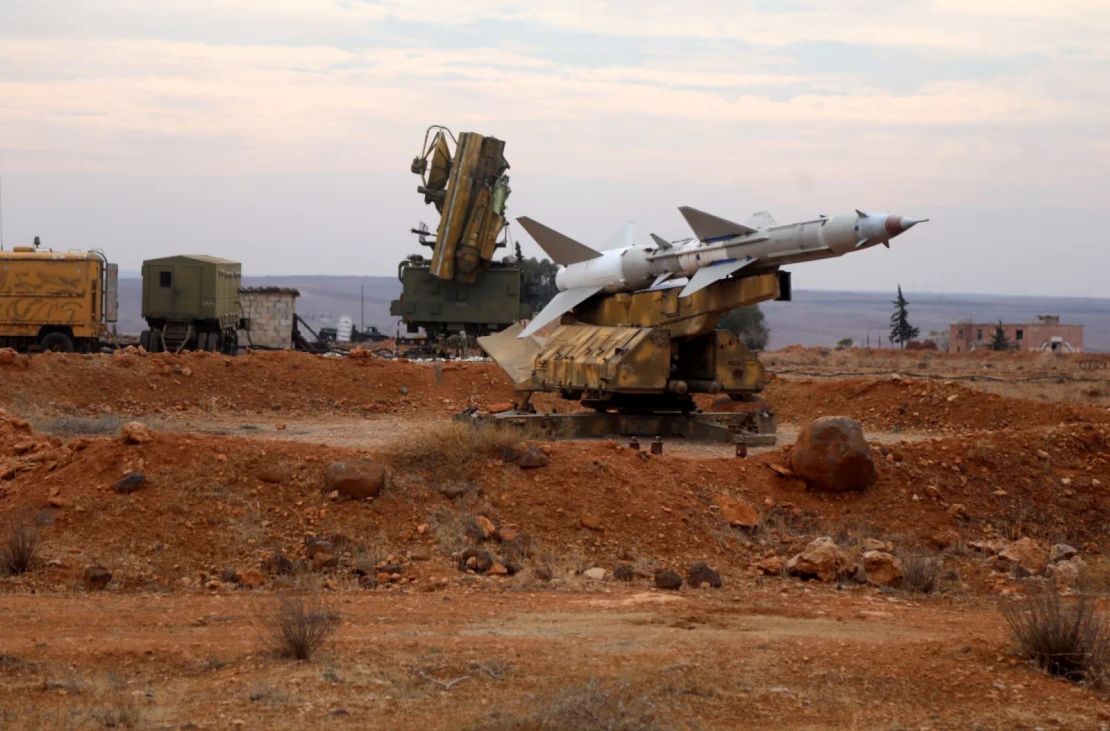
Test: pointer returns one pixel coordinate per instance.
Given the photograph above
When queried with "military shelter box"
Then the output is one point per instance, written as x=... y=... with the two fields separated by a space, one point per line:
x=191 y=302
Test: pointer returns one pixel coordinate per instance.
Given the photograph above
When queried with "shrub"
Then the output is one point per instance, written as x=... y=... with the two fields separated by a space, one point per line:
x=1068 y=639
x=21 y=545
x=921 y=573
x=300 y=625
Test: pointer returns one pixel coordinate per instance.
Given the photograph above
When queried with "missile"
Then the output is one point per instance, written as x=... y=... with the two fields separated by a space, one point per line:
x=720 y=248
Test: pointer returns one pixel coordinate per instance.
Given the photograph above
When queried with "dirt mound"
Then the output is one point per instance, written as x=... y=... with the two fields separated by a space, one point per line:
x=210 y=503
x=895 y=403
x=132 y=383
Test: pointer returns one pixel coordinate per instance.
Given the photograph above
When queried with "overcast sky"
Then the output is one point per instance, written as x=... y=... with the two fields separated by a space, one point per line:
x=280 y=133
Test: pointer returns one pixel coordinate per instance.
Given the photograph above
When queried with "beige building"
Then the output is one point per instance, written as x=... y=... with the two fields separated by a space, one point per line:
x=1047 y=334
x=271 y=311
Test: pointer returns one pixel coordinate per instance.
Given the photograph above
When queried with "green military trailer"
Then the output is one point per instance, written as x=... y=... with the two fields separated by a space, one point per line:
x=445 y=307
x=192 y=303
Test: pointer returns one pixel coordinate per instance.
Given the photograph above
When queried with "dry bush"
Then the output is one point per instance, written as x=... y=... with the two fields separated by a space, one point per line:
x=921 y=573
x=299 y=625
x=21 y=545
x=1065 y=638
x=587 y=707
x=449 y=450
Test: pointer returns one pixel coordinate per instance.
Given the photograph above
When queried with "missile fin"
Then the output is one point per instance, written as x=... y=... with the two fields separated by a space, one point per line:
x=707 y=275
x=708 y=227
x=661 y=242
x=660 y=280
x=862 y=243
x=563 y=250
x=760 y=219
x=860 y=213
x=559 y=305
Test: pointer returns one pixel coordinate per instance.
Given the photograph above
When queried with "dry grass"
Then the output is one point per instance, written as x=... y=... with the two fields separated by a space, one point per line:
x=21 y=545
x=921 y=572
x=448 y=451
x=1094 y=578
x=299 y=625
x=591 y=706
x=1069 y=639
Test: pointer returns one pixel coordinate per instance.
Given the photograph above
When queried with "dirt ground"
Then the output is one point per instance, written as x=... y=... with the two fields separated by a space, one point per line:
x=972 y=449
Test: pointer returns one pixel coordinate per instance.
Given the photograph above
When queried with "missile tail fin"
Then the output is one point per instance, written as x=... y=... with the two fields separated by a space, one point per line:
x=559 y=305
x=661 y=242
x=708 y=227
x=661 y=280
x=563 y=250
x=707 y=275
x=760 y=219
x=515 y=355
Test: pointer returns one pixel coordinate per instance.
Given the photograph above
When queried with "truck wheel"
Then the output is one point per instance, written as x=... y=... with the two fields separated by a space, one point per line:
x=201 y=341
x=58 y=342
x=144 y=340
x=213 y=342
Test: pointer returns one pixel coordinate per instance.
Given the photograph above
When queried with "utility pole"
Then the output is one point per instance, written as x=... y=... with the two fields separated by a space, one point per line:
x=362 y=306
x=1 y=212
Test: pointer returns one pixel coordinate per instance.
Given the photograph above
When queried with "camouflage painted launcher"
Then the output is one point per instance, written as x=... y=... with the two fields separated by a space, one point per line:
x=469 y=190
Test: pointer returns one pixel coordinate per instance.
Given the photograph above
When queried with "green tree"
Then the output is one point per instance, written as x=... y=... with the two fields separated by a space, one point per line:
x=999 y=342
x=537 y=280
x=749 y=325
x=901 y=331
x=844 y=343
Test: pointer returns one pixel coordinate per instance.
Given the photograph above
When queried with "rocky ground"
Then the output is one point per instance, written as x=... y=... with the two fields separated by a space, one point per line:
x=484 y=581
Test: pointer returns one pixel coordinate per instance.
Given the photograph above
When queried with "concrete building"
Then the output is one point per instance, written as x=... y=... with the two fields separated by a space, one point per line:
x=270 y=310
x=1047 y=334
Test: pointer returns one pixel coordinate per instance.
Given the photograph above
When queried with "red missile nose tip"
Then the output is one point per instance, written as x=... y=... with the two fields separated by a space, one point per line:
x=896 y=224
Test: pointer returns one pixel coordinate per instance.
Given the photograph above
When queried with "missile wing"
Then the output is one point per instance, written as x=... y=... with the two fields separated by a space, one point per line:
x=559 y=305
x=562 y=249
x=708 y=227
x=711 y=273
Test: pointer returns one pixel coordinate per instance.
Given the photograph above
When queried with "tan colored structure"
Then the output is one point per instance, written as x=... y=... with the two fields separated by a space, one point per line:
x=271 y=312
x=56 y=300
x=1047 y=334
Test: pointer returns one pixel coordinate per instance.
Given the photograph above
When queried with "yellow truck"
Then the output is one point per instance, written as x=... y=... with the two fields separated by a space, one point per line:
x=52 y=300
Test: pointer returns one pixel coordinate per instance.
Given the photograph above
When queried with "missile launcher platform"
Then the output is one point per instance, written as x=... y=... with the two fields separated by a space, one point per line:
x=635 y=360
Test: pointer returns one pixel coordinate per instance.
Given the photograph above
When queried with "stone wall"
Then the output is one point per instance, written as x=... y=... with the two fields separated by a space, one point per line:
x=270 y=310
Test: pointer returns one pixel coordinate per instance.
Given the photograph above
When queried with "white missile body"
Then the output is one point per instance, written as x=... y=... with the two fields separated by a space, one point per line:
x=721 y=248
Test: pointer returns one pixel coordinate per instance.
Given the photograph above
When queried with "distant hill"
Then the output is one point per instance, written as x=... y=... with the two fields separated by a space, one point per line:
x=814 y=317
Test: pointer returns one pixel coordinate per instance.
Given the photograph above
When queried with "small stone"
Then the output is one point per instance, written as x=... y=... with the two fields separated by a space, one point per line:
x=882 y=568
x=770 y=566
x=822 y=559
x=251 y=578
x=1024 y=556
x=873 y=544
x=273 y=474
x=129 y=483
x=668 y=579
x=485 y=527
x=355 y=479
x=322 y=561
x=595 y=574
x=533 y=458
x=543 y=573
x=737 y=512
x=96 y=577
x=476 y=560
x=701 y=574
x=590 y=521
x=315 y=545
x=623 y=572
x=56 y=502
x=507 y=535
x=135 y=432
x=1061 y=552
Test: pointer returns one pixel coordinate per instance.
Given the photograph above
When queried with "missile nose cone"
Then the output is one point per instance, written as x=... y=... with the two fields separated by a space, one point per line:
x=897 y=224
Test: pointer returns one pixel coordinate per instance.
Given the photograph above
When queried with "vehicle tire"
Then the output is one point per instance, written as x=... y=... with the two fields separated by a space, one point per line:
x=144 y=340
x=58 y=342
x=201 y=341
x=155 y=341
x=213 y=342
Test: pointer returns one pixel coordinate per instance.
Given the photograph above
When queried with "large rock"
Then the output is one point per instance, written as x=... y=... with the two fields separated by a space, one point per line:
x=832 y=455
x=129 y=483
x=1024 y=556
x=1066 y=573
x=702 y=575
x=1061 y=552
x=357 y=479
x=822 y=559
x=882 y=568
x=738 y=513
